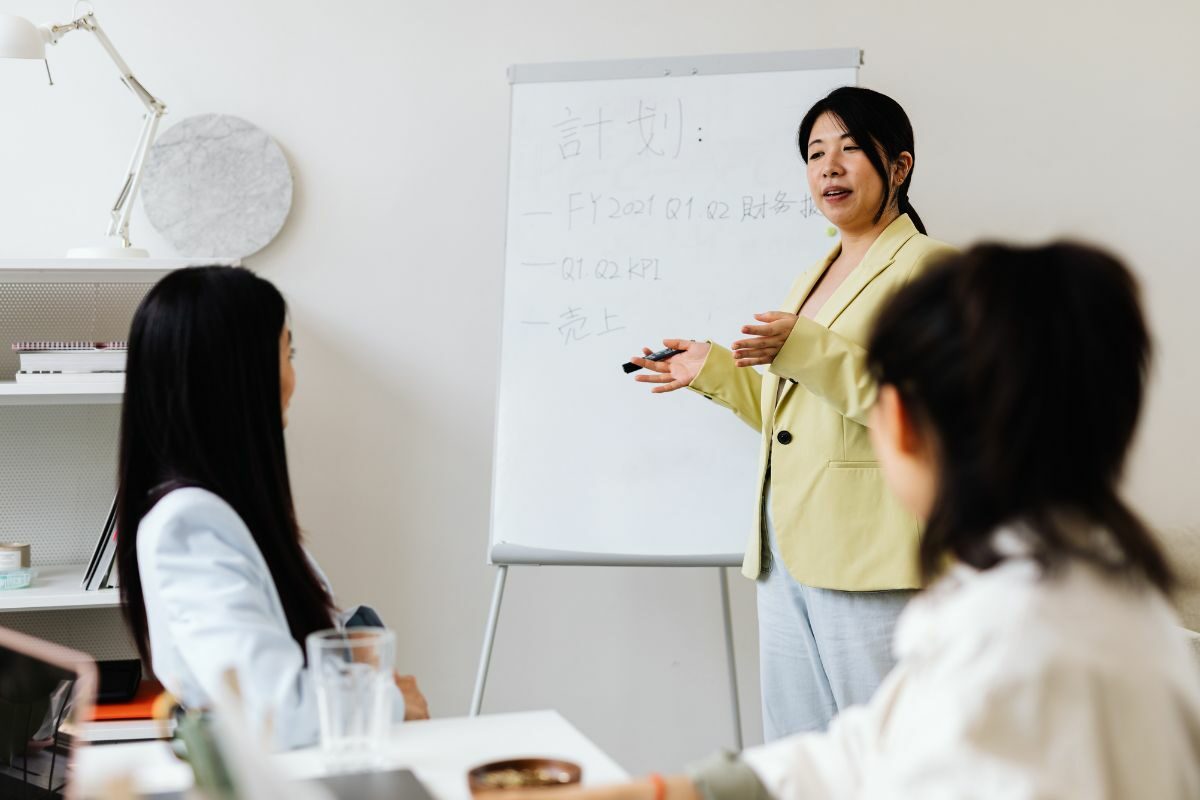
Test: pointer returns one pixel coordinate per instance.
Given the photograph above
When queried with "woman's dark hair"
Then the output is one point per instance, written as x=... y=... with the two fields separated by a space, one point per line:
x=202 y=408
x=871 y=118
x=1028 y=367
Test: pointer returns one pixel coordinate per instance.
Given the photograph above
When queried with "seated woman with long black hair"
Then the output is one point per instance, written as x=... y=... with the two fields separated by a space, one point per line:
x=1043 y=661
x=214 y=575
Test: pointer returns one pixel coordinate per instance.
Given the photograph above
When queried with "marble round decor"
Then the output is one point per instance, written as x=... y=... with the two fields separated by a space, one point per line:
x=215 y=185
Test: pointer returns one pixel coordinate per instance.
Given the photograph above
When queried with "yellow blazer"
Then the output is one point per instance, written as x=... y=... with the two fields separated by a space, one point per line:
x=836 y=523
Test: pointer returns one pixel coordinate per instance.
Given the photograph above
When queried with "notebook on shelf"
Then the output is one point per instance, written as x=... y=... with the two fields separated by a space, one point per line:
x=68 y=377
x=42 y=345
x=111 y=579
x=140 y=706
x=130 y=720
x=104 y=554
x=118 y=730
x=69 y=361
x=105 y=535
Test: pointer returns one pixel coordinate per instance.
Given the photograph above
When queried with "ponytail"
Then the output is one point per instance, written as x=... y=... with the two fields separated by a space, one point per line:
x=906 y=208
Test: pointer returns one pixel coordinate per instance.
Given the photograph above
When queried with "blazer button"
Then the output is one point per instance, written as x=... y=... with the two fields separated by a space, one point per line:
x=784 y=437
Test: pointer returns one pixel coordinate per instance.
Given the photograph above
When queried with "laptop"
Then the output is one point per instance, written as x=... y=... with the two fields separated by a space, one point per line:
x=42 y=685
x=395 y=784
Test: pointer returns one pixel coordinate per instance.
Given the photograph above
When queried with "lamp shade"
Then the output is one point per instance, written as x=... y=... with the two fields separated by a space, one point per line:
x=19 y=38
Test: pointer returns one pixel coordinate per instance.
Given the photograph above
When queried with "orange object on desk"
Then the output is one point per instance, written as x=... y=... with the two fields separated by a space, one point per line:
x=140 y=707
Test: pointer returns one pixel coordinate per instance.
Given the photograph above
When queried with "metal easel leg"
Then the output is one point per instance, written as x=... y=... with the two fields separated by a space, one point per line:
x=489 y=638
x=730 y=659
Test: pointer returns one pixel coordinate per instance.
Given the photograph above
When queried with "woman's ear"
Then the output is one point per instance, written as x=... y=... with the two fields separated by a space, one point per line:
x=901 y=167
x=904 y=452
x=896 y=423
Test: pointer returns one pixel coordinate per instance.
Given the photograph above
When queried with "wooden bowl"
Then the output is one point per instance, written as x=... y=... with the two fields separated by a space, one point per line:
x=522 y=773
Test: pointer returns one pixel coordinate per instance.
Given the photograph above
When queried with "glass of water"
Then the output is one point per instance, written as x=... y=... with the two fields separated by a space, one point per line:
x=352 y=673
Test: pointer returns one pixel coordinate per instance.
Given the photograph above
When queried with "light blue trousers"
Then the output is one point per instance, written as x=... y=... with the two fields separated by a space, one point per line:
x=820 y=650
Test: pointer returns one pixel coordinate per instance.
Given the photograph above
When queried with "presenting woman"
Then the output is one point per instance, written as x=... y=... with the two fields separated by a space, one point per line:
x=834 y=554
x=214 y=576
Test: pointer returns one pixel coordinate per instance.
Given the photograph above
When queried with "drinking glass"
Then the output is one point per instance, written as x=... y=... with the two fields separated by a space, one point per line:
x=352 y=674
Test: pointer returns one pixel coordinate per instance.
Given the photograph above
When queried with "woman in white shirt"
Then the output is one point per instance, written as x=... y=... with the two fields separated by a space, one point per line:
x=214 y=575
x=1043 y=661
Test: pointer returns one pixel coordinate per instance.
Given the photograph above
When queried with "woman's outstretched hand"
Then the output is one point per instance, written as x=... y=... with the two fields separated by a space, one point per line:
x=415 y=706
x=768 y=338
x=675 y=372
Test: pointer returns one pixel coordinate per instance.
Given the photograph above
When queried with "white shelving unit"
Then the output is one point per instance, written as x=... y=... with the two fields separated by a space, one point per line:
x=55 y=394
x=58 y=441
x=95 y=270
x=58 y=588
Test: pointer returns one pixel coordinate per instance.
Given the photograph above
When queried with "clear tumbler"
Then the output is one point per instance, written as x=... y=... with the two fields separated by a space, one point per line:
x=353 y=675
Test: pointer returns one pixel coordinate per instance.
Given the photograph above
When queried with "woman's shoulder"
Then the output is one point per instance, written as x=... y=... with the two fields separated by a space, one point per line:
x=924 y=249
x=183 y=512
x=1030 y=620
x=191 y=503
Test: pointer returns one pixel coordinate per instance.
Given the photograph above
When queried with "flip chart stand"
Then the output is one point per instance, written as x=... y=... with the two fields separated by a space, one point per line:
x=639 y=192
x=489 y=639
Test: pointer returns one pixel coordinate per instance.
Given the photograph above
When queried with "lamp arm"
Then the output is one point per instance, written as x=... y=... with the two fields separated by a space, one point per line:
x=122 y=209
x=88 y=23
x=123 y=206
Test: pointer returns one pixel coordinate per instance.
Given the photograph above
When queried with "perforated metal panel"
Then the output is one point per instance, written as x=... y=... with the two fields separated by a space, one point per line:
x=99 y=632
x=63 y=311
x=58 y=462
x=57 y=478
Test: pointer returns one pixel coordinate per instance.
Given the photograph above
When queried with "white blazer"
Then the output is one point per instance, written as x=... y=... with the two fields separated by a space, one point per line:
x=211 y=604
x=1014 y=684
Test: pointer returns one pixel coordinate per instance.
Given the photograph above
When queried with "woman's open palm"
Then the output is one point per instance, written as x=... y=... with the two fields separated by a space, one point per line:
x=677 y=371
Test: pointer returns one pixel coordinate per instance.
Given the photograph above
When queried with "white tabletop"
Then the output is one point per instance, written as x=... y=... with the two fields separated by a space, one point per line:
x=439 y=751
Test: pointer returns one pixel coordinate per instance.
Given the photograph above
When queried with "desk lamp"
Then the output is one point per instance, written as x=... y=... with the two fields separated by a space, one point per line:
x=19 y=38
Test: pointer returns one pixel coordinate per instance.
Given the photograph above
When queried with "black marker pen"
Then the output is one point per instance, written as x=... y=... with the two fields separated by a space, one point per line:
x=661 y=355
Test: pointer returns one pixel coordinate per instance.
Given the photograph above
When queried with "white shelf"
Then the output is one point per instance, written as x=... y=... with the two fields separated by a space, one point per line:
x=48 y=394
x=91 y=270
x=57 y=588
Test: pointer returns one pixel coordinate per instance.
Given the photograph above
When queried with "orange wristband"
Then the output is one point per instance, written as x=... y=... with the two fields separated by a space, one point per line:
x=659 y=784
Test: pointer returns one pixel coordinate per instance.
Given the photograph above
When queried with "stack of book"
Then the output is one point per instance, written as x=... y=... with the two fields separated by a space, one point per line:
x=102 y=571
x=131 y=720
x=70 y=362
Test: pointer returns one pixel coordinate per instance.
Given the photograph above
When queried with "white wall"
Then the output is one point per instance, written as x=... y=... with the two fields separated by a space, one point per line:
x=1033 y=120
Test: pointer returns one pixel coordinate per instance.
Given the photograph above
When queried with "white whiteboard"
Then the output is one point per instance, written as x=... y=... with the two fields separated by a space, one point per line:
x=647 y=199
